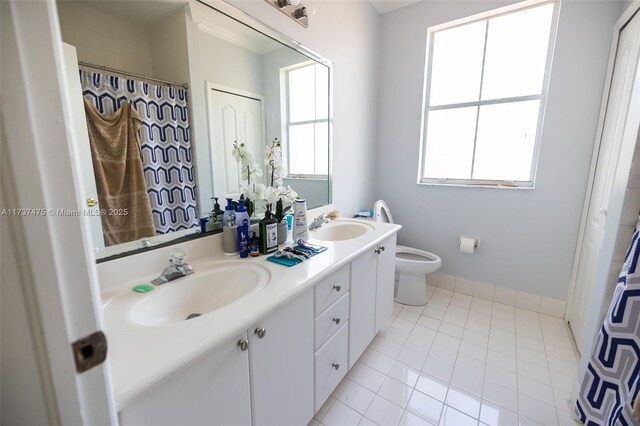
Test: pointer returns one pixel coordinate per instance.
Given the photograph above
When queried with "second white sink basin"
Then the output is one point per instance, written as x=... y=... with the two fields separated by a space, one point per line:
x=195 y=295
x=342 y=230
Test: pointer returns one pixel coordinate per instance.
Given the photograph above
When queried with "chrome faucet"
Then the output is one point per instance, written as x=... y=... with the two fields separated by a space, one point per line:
x=318 y=222
x=178 y=267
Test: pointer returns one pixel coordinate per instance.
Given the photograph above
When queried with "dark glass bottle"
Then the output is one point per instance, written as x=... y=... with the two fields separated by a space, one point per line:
x=268 y=234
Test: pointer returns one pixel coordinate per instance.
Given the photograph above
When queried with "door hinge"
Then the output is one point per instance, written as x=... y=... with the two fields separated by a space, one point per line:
x=89 y=351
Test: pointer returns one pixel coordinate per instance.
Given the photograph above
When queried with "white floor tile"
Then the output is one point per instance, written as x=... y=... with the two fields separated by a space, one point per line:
x=527 y=343
x=325 y=408
x=454 y=319
x=537 y=411
x=394 y=335
x=367 y=422
x=432 y=386
x=565 y=419
x=560 y=352
x=412 y=358
x=453 y=417
x=432 y=312
x=470 y=365
x=501 y=377
x=403 y=325
x=495 y=415
x=478 y=327
x=383 y=412
x=409 y=315
x=424 y=333
x=376 y=360
x=456 y=309
x=396 y=392
x=418 y=344
x=480 y=317
x=410 y=419
x=403 y=373
x=502 y=346
x=463 y=401
x=535 y=390
x=366 y=376
x=428 y=322
x=447 y=341
x=451 y=330
x=476 y=338
x=388 y=348
x=569 y=368
x=424 y=406
x=500 y=395
x=356 y=397
x=502 y=334
x=341 y=415
x=562 y=382
x=537 y=358
x=467 y=381
x=534 y=372
x=438 y=369
x=498 y=359
x=443 y=354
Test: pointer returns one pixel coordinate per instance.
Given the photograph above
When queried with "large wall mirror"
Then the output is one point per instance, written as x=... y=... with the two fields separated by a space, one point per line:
x=164 y=91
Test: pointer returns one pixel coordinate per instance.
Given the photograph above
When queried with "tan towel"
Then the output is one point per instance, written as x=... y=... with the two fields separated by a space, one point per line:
x=117 y=165
x=636 y=409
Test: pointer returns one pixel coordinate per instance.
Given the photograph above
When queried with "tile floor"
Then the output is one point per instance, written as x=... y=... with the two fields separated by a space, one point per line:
x=459 y=360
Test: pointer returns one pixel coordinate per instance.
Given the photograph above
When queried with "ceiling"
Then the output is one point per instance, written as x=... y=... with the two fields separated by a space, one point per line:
x=384 y=6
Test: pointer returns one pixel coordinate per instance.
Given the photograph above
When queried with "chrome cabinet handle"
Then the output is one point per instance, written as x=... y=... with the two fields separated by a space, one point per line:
x=260 y=332
x=337 y=287
x=336 y=320
x=243 y=344
x=336 y=366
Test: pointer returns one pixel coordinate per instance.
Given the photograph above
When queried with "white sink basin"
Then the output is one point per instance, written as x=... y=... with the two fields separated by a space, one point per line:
x=200 y=293
x=340 y=231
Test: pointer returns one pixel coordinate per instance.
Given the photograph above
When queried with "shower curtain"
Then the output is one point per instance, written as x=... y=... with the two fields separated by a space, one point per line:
x=608 y=391
x=164 y=142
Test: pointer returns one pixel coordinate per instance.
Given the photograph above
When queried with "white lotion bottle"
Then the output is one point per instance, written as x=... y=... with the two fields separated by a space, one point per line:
x=300 y=230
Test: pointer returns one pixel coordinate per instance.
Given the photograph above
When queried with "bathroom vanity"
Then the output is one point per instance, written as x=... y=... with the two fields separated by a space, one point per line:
x=269 y=352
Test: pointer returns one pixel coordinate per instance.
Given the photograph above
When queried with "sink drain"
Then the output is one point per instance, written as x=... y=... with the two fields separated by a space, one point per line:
x=193 y=316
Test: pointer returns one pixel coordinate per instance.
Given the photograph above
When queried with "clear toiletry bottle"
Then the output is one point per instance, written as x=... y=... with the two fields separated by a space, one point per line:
x=300 y=230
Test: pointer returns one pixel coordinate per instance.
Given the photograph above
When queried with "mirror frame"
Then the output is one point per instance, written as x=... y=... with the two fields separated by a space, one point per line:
x=132 y=247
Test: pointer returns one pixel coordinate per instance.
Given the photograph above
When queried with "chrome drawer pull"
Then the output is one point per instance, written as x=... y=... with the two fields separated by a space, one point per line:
x=260 y=332
x=336 y=366
x=337 y=287
x=243 y=344
x=336 y=320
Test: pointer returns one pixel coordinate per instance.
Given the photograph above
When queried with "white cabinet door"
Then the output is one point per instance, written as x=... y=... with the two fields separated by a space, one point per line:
x=385 y=282
x=363 y=304
x=212 y=391
x=282 y=365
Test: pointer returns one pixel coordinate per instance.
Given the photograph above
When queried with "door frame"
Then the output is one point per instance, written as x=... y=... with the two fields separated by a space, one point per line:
x=57 y=269
x=618 y=26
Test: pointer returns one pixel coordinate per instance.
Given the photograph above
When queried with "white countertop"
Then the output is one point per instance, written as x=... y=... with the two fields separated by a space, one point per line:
x=142 y=356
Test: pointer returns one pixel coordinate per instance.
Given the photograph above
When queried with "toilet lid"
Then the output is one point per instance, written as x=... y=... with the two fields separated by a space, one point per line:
x=381 y=212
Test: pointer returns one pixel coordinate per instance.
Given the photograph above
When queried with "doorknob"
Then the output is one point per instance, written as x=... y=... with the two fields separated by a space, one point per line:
x=91 y=202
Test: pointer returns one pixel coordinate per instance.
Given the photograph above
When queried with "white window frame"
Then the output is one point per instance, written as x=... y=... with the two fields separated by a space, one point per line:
x=287 y=123
x=528 y=184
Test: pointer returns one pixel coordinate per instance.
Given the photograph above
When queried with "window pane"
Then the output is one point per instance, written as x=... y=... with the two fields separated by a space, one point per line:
x=322 y=92
x=302 y=105
x=301 y=149
x=449 y=147
x=322 y=149
x=516 y=53
x=456 y=64
x=506 y=138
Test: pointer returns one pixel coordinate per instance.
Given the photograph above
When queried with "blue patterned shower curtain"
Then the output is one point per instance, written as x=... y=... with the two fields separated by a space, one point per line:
x=164 y=139
x=611 y=383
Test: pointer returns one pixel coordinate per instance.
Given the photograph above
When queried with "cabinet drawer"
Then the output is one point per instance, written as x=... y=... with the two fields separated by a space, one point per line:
x=331 y=365
x=334 y=317
x=331 y=288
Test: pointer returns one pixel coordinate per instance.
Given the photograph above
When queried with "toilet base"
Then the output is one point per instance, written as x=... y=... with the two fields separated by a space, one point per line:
x=411 y=290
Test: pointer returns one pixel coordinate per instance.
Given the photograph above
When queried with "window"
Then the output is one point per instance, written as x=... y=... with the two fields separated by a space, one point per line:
x=306 y=119
x=484 y=97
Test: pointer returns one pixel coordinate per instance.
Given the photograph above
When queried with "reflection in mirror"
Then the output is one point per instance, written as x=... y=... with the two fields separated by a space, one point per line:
x=170 y=87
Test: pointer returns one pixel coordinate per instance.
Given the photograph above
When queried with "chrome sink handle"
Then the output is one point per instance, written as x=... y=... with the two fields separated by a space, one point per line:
x=178 y=267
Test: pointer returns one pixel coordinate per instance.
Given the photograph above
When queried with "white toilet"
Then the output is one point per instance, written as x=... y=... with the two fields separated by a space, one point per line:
x=411 y=265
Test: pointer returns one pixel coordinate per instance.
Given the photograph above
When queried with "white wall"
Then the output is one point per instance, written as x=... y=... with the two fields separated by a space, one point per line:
x=528 y=236
x=169 y=54
x=346 y=32
x=104 y=39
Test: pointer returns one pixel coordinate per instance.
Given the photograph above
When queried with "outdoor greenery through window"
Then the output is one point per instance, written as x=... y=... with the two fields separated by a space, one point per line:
x=306 y=120
x=484 y=96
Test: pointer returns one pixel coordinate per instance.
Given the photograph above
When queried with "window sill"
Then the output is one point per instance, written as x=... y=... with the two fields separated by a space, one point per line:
x=484 y=185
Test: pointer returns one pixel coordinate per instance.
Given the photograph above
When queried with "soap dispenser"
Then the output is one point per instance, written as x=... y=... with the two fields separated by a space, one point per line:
x=229 y=213
x=242 y=217
x=217 y=214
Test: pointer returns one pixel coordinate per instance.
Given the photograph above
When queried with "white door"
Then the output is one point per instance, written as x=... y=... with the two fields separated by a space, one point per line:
x=611 y=163
x=233 y=117
x=57 y=268
x=87 y=177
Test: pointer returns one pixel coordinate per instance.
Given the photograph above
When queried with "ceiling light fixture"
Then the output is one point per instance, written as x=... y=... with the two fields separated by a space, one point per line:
x=294 y=10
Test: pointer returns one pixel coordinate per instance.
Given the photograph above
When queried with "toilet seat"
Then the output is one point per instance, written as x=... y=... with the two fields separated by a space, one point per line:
x=425 y=263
